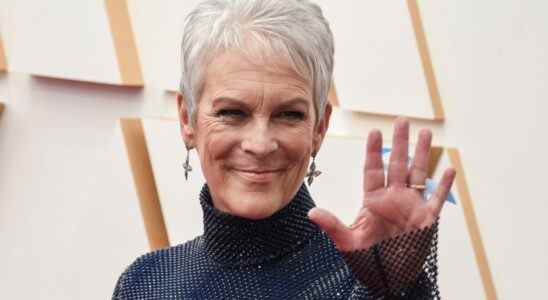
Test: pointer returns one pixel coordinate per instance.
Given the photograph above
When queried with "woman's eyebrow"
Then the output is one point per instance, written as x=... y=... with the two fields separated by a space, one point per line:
x=227 y=100
x=294 y=102
x=284 y=103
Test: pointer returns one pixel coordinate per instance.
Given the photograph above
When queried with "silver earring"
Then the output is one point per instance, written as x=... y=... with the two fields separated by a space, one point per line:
x=186 y=165
x=312 y=172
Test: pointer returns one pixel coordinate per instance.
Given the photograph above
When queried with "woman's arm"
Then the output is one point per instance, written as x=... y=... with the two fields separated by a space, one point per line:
x=403 y=267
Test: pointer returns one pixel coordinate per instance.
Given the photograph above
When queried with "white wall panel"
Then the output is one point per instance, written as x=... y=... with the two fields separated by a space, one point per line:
x=60 y=38
x=158 y=27
x=493 y=70
x=377 y=63
x=69 y=217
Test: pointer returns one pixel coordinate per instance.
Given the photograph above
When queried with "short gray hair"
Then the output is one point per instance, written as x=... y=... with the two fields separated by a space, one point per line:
x=294 y=29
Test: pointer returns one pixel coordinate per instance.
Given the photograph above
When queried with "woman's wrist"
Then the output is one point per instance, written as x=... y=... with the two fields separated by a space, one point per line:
x=396 y=266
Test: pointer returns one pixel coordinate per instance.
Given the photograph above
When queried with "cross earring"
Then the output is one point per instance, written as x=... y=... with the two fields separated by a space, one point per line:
x=186 y=165
x=312 y=172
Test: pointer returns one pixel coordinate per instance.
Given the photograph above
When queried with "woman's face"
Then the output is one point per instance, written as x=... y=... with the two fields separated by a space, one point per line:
x=255 y=131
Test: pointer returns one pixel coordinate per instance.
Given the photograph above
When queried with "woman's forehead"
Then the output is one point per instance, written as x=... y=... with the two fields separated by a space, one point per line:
x=230 y=62
x=232 y=69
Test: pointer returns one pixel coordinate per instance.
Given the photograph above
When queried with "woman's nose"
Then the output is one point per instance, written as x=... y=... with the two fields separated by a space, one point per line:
x=259 y=141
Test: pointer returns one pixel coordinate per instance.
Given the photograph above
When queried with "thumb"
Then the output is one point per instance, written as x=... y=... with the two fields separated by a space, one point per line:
x=335 y=229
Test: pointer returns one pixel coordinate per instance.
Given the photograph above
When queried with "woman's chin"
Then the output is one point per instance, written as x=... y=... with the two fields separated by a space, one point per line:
x=252 y=201
x=256 y=208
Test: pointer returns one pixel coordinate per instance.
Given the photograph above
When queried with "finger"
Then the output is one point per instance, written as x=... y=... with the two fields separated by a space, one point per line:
x=335 y=229
x=442 y=192
x=373 y=171
x=397 y=169
x=419 y=166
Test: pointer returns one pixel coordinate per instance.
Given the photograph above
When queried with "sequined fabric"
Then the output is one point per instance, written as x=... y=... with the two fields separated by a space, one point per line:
x=404 y=267
x=282 y=257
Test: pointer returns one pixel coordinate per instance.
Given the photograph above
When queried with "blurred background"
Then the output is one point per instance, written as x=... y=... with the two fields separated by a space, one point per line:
x=71 y=214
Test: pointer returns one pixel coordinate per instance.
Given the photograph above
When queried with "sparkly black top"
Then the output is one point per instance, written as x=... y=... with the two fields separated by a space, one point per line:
x=284 y=256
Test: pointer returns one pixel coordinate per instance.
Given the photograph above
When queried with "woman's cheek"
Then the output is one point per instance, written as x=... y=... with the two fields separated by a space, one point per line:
x=298 y=141
x=214 y=148
x=219 y=146
x=213 y=136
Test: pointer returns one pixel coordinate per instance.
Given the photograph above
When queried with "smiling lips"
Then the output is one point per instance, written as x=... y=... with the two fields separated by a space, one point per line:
x=258 y=176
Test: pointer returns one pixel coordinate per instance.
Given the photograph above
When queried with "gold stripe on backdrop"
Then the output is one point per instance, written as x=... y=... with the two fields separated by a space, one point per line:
x=1 y=108
x=472 y=224
x=3 y=62
x=426 y=60
x=145 y=184
x=124 y=42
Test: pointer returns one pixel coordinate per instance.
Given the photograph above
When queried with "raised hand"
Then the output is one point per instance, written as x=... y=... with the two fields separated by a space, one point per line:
x=392 y=205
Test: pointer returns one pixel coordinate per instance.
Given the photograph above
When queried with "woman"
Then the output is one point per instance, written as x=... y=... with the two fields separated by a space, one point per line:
x=253 y=103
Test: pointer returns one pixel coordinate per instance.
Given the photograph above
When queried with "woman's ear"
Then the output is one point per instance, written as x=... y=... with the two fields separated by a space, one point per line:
x=187 y=130
x=321 y=128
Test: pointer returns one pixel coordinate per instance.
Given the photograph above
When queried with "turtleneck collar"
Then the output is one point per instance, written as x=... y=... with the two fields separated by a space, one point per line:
x=236 y=241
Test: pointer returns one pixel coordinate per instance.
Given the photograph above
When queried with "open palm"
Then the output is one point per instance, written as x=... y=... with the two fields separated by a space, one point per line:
x=391 y=205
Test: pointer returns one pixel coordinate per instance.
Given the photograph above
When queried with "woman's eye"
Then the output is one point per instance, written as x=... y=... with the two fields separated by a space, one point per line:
x=230 y=113
x=292 y=115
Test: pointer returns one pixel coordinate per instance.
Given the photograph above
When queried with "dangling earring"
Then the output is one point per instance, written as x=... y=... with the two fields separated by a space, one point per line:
x=186 y=165
x=312 y=172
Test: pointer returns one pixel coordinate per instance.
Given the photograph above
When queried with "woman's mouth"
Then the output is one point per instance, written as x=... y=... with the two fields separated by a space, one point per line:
x=258 y=176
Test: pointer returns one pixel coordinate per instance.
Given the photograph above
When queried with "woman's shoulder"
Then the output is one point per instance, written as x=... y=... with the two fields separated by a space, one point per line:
x=166 y=255
x=163 y=262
